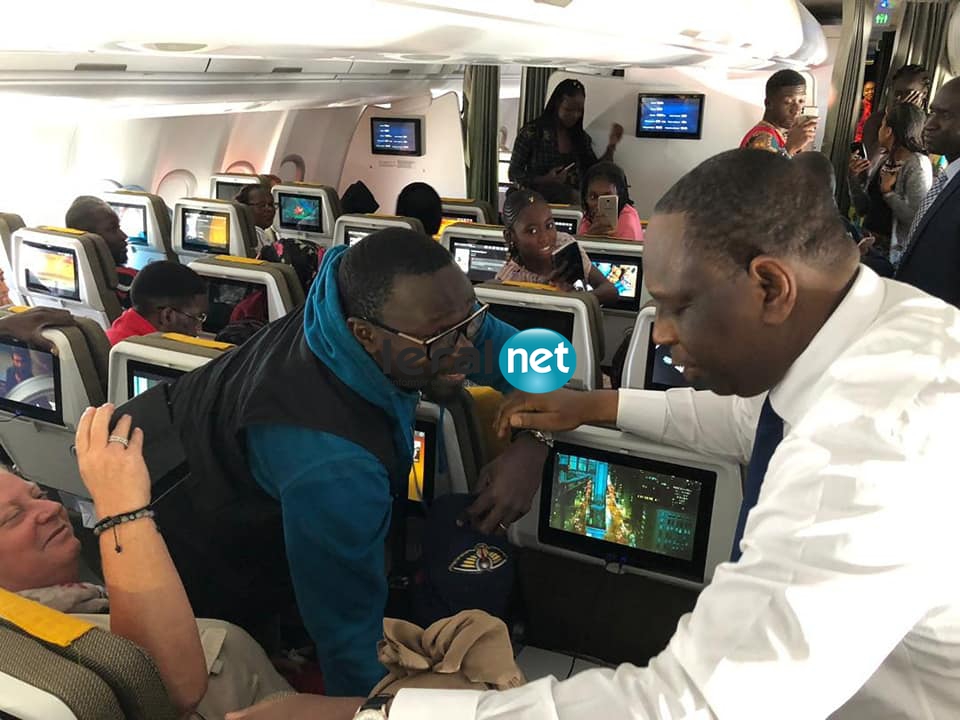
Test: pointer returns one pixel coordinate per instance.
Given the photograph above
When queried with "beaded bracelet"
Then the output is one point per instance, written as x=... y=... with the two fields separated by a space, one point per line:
x=111 y=523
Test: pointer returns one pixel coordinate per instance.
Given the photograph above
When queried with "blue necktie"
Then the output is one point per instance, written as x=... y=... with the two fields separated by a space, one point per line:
x=769 y=434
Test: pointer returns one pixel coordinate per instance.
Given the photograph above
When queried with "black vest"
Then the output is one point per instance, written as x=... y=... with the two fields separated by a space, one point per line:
x=224 y=532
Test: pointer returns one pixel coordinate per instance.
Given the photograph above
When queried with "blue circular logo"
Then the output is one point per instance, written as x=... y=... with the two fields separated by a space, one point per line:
x=538 y=361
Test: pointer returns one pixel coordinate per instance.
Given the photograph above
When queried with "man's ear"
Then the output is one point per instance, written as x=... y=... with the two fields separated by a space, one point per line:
x=778 y=284
x=365 y=334
x=166 y=319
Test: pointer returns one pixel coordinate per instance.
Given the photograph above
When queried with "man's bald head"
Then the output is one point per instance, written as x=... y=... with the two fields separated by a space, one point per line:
x=942 y=131
x=93 y=215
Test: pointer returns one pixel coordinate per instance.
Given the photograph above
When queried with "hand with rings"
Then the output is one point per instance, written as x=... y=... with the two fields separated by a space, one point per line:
x=111 y=462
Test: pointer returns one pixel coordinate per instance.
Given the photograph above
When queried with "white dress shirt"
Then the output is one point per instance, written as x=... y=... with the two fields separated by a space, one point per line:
x=846 y=602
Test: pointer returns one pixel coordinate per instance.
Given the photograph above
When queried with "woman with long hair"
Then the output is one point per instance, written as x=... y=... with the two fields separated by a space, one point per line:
x=607 y=178
x=555 y=147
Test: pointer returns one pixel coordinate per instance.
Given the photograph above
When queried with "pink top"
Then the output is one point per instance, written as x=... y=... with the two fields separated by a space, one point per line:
x=628 y=225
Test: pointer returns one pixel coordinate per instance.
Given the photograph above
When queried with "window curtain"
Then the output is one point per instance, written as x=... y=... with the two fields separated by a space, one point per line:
x=481 y=98
x=533 y=92
x=847 y=84
x=922 y=38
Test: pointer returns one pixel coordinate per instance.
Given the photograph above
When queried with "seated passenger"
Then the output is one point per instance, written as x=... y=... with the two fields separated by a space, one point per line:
x=167 y=297
x=237 y=333
x=296 y=438
x=531 y=239
x=419 y=200
x=40 y=560
x=358 y=200
x=93 y=215
x=607 y=178
x=259 y=199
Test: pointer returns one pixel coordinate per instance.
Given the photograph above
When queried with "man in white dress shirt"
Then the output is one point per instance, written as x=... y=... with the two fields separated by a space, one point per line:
x=846 y=600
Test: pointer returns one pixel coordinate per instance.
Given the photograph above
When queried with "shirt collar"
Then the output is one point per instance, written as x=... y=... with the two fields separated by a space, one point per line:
x=794 y=395
x=952 y=169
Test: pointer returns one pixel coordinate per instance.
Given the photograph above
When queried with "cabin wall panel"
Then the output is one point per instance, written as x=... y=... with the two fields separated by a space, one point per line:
x=321 y=137
x=442 y=164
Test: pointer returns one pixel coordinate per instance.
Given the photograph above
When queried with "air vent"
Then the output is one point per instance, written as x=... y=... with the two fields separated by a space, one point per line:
x=287 y=69
x=400 y=71
x=100 y=67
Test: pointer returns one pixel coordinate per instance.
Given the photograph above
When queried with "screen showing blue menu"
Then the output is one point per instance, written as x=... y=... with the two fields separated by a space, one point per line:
x=670 y=116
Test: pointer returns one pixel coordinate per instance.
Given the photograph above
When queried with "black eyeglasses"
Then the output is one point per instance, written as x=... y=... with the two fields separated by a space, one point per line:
x=446 y=340
x=199 y=319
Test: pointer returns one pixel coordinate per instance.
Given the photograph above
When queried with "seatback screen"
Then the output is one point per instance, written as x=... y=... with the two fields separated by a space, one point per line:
x=50 y=270
x=232 y=301
x=396 y=136
x=649 y=513
x=567 y=225
x=624 y=273
x=226 y=190
x=420 y=484
x=133 y=222
x=301 y=212
x=527 y=318
x=481 y=260
x=661 y=372
x=142 y=376
x=206 y=231
x=355 y=234
x=465 y=216
x=30 y=382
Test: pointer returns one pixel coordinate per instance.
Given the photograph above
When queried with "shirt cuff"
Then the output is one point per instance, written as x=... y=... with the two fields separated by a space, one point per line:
x=413 y=704
x=642 y=412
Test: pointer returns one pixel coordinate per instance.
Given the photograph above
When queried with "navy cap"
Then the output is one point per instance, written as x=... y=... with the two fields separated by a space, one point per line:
x=462 y=569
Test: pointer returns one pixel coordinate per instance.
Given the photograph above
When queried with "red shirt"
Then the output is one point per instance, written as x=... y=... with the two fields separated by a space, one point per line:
x=130 y=324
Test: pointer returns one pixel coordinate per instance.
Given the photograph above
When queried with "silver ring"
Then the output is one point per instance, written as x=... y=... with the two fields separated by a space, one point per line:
x=117 y=439
x=502 y=526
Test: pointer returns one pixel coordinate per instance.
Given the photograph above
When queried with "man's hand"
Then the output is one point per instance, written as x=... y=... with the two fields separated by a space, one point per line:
x=801 y=135
x=507 y=486
x=557 y=411
x=301 y=707
x=28 y=326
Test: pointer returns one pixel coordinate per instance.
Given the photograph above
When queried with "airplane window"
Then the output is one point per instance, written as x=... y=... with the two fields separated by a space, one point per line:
x=241 y=166
x=177 y=184
x=293 y=169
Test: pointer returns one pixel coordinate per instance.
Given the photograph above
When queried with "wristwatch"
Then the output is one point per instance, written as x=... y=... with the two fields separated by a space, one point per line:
x=374 y=708
x=543 y=437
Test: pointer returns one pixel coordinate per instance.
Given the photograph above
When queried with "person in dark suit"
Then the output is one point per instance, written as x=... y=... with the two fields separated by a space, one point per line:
x=931 y=259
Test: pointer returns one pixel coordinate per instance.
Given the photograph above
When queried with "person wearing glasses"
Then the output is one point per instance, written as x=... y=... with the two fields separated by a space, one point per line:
x=260 y=201
x=300 y=442
x=166 y=297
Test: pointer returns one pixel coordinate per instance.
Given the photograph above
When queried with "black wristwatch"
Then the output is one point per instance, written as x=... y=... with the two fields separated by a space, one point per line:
x=374 y=708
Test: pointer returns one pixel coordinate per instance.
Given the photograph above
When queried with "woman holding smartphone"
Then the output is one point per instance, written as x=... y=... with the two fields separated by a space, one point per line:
x=555 y=147
x=537 y=250
x=607 y=180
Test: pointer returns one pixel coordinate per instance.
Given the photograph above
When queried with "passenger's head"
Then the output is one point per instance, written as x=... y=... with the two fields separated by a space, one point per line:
x=93 y=215
x=171 y=296
x=819 y=167
x=419 y=200
x=942 y=131
x=20 y=360
x=238 y=332
x=902 y=127
x=37 y=544
x=358 y=200
x=398 y=286
x=869 y=89
x=911 y=83
x=565 y=106
x=604 y=178
x=259 y=199
x=528 y=229
x=745 y=257
x=785 y=98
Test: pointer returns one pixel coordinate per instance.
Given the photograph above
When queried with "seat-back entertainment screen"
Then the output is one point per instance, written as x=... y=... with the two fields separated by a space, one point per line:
x=624 y=272
x=301 y=212
x=30 y=382
x=206 y=231
x=51 y=270
x=481 y=260
x=133 y=222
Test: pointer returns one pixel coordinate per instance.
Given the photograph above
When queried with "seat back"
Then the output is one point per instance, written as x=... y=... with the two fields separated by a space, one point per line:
x=139 y=363
x=145 y=219
x=204 y=227
x=621 y=262
x=244 y=288
x=353 y=228
x=70 y=269
x=225 y=186
x=307 y=212
x=567 y=218
x=649 y=366
x=39 y=415
x=479 y=250
x=92 y=673
x=457 y=442
x=468 y=210
x=9 y=224
x=575 y=315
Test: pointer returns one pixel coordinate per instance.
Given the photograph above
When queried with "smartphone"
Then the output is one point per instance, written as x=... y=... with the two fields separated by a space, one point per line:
x=608 y=207
x=568 y=259
x=859 y=149
x=812 y=111
x=569 y=167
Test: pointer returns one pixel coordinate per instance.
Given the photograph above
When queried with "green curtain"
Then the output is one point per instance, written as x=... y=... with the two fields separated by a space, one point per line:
x=533 y=92
x=847 y=84
x=481 y=100
x=922 y=38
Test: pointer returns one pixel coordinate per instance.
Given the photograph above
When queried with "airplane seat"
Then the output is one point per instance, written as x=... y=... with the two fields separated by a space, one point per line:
x=9 y=224
x=567 y=218
x=479 y=250
x=648 y=367
x=206 y=226
x=145 y=218
x=53 y=666
x=575 y=315
x=253 y=288
x=69 y=269
x=486 y=402
x=306 y=211
x=352 y=228
x=468 y=210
